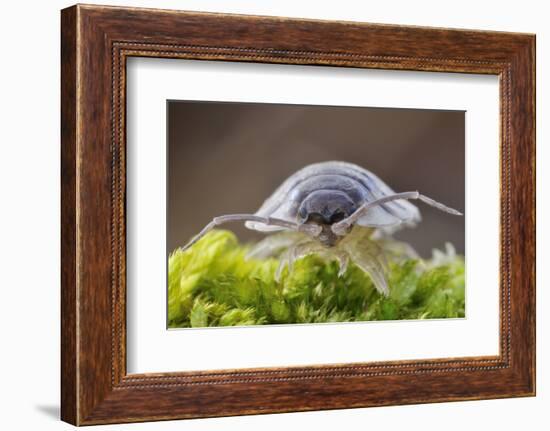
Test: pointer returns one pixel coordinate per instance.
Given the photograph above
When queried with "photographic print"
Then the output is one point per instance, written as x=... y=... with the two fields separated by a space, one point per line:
x=302 y=214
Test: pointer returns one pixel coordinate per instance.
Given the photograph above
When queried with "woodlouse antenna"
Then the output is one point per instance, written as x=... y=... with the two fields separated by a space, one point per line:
x=309 y=229
x=341 y=228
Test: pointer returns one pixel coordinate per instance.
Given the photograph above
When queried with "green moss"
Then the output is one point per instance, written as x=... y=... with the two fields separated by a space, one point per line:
x=212 y=284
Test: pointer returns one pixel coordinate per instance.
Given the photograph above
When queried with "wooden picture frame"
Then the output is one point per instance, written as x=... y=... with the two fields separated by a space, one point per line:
x=96 y=41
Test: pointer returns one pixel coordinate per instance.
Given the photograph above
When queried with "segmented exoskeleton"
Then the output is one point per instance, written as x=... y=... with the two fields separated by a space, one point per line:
x=334 y=209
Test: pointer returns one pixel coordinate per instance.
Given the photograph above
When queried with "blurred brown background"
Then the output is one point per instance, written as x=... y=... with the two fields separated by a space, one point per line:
x=228 y=158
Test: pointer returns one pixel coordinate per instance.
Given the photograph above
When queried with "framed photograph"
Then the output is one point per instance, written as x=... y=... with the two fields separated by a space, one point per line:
x=264 y=214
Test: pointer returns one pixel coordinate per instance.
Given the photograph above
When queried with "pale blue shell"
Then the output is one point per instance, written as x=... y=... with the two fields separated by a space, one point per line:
x=359 y=184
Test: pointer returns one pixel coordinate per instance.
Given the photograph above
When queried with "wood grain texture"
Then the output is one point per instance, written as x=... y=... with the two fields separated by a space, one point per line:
x=69 y=397
x=96 y=41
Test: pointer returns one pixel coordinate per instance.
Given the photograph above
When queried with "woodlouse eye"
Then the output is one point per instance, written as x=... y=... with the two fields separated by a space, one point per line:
x=337 y=216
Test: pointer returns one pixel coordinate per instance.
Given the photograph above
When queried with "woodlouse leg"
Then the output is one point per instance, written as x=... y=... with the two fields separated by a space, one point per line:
x=399 y=250
x=295 y=252
x=304 y=249
x=272 y=244
x=343 y=261
x=368 y=256
x=283 y=263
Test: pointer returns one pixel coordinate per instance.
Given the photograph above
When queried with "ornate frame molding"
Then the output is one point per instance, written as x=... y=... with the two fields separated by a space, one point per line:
x=96 y=41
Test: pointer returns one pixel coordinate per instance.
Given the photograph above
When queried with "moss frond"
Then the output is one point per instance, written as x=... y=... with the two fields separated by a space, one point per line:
x=212 y=284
